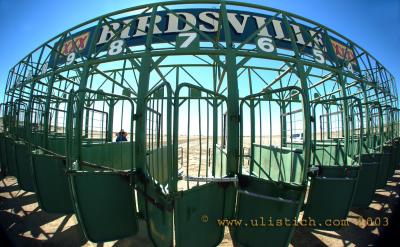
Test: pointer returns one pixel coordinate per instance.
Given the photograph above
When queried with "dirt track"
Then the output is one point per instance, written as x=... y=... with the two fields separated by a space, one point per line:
x=23 y=223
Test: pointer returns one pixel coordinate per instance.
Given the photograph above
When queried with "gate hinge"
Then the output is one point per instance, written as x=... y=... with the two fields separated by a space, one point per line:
x=236 y=118
x=136 y=116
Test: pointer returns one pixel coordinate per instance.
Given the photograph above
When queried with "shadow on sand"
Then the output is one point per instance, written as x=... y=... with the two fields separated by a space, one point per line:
x=23 y=223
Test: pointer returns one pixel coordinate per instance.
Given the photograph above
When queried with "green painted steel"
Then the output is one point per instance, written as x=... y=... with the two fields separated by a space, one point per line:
x=329 y=154
x=265 y=206
x=24 y=166
x=157 y=203
x=104 y=205
x=217 y=125
x=189 y=210
x=278 y=164
x=333 y=186
x=158 y=162
x=57 y=145
x=383 y=168
x=160 y=225
x=365 y=190
x=272 y=185
x=393 y=160
x=330 y=195
x=11 y=162
x=3 y=154
x=189 y=230
x=100 y=173
x=396 y=152
x=112 y=155
x=49 y=169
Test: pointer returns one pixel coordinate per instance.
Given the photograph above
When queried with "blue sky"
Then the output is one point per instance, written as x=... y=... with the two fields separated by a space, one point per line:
x=372 y=24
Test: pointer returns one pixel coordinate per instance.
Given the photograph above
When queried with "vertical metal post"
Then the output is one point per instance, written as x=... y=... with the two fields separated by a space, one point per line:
x=306 y=102
x=144 y=79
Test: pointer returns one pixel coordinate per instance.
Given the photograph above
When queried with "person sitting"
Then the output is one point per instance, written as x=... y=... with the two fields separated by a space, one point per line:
x=121 y=136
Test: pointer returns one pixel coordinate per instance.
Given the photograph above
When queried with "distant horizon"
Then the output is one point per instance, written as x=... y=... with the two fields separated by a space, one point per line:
x=359 y=21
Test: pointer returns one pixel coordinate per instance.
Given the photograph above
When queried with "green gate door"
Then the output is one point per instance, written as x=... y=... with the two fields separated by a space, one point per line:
x=333 y=184
x=204 y=192
x=272 y=179
x=386 y=148
x=3 y=161
x=156 y=191
x=370 y=158
x=100 y=171
x=49 y=162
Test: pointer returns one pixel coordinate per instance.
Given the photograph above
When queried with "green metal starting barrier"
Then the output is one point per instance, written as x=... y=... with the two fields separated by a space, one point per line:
x=15 y=150
x=50 y=168
x=333 y=183
x=24 y=167
x=200 y=113
x=49 y=162
x=37 y=114
x=159 y=183
x=22 y=150
x=3 y=138
x=386 y=149
x=370 y=158
x=390 y=146
x=252 y=116
x=100 y=174
x=396 y=140
x=9 y=123
x=3 y=158
x=10 y=156
x=273 y=175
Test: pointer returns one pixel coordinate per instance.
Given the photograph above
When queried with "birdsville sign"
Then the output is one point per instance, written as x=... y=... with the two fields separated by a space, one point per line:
x=189 y=27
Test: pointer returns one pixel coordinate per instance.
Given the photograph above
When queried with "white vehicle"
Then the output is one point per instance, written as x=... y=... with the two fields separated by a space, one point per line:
x=297 y=137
